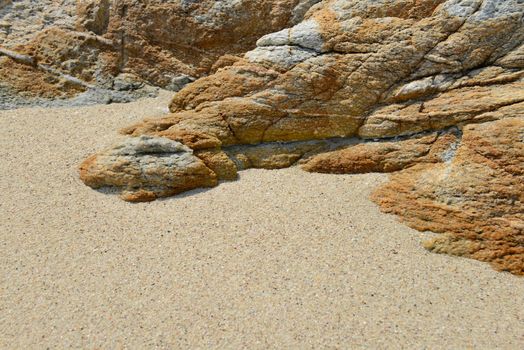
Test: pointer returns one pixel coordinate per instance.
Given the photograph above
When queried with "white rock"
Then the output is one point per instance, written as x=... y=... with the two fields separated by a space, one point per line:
x=284 y=57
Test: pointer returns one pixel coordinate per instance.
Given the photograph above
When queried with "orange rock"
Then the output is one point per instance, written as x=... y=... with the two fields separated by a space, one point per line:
x=387 y=156
x=166 y=44
x=477 y=198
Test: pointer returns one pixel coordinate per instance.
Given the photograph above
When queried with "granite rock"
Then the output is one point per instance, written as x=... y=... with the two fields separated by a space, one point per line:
x=145 y=168
x=476 y=198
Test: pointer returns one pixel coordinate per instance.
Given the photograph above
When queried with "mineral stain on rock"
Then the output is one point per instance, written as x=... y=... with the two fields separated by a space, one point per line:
x=476 y=200
x=147 y=168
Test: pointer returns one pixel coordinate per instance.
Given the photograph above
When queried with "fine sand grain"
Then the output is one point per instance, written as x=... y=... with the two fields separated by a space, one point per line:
x=277 y=259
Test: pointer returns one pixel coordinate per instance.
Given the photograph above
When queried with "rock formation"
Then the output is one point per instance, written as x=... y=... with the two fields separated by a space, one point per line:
x=475 y=197
x=149 y=167
x=430 y=89
x=114 y=50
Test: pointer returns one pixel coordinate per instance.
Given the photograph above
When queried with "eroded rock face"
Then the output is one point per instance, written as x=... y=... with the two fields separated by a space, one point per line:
x=91 y=43
x=359 y=86
x=476 y=198
x=386 y=156
x=21 y=19
x=350 y=69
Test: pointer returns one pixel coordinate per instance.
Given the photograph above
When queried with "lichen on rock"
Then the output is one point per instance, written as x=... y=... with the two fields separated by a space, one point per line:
x=163 y=44
x=476 y=198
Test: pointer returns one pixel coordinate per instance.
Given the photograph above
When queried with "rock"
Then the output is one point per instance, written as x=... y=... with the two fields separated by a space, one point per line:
x=26 y=18
x=29 y=81
x=459 y=106
x=351 y=70
x=219 y=162
x=178 y=82
x=127 y=81
x=275 y=155
x=384 y=157
x=4 y=3
x=145 y=168
x=409 y=75
x=93 y=15
x=236 y=80
x=476 y=198
x=164 y=44
x=300 y=10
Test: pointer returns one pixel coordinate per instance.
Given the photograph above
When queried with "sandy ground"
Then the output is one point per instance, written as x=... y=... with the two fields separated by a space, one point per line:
x=280 y=258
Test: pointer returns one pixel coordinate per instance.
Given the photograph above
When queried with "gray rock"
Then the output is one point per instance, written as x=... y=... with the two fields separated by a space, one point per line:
x=284 y=57
x=144 y=168
x=305 y=35
x=178 y=82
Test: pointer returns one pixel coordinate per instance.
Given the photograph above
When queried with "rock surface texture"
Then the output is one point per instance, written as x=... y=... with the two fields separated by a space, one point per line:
x=476 y=198
x=103 y=51
x=430 y=89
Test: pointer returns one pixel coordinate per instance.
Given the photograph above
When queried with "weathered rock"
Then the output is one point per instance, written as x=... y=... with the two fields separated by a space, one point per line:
x=145 y=168
x=20 y=20
x=402 y=72
x=165 y=44
x=29 y=81
x=456 y=107
x=351 y=70
x=219 y=162
x=160 y=41
x=93 y=16
x=386 y=156
x=476 y=198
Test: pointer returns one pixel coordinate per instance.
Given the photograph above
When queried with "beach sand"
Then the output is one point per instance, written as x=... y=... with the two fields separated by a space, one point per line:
x=279 y=258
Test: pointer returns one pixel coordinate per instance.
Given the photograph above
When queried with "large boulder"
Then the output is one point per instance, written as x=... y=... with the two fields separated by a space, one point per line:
x=145 y=168
x=476 y=197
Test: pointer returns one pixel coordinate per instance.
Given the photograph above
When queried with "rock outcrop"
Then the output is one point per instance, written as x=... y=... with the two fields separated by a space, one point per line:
x=20 y=20
x=476 y=198
x=114 y=50
x=146 y=168
x=433 y=89
x=386 y=156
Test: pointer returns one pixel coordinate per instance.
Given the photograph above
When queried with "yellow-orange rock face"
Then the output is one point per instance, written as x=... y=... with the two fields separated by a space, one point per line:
x=369 y=70
x=384 y=157
x=476 y=198
x=160 y=43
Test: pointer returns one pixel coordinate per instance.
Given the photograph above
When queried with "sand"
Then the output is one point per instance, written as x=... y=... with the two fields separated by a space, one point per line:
x=281 y=258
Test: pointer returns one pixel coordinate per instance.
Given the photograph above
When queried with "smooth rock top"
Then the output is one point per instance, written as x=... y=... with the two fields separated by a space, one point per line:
x=148 y=145
x=145 y=168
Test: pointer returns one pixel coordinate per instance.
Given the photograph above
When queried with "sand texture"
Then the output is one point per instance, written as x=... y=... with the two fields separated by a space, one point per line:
x=280 y=258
